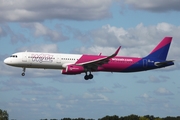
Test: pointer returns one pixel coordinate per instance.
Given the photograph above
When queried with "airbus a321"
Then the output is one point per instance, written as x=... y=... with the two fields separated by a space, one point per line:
x=71 y=64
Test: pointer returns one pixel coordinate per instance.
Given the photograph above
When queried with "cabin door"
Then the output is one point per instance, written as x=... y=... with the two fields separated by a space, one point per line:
x=58 y=59
x=145 y=63
x=24 y=57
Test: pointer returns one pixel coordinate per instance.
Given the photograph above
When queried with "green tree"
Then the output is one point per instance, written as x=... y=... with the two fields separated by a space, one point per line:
x=115 y=117
x=66 y=119
x=131 y=117
x=158 y=118
x=143 y=118
x=150 y=117
x=170 y=118
x=3 y=115
x=80 y=119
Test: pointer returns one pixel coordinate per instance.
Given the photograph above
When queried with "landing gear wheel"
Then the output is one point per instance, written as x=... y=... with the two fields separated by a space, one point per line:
x=23 y=74
x=90 y=76
x=86 y=77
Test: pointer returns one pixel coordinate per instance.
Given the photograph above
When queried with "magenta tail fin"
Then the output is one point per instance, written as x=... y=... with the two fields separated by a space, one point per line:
x=161 y=50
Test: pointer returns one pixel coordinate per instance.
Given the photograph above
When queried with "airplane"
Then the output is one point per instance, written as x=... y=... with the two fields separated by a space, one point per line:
x=71 y=64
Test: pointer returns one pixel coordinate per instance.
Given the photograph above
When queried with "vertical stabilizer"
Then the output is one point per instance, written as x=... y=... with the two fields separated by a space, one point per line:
x=161 y=50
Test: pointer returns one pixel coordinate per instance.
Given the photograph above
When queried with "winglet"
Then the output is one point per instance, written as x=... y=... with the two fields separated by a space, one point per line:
x=117 y=51
x=113 y=55
x=100 y=60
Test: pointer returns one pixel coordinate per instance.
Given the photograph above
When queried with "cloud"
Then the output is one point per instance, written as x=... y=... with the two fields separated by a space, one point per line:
x=51 y=48
x=41 y=91
x=15 y=37
x=150 y=101
x=154 y=6
x=154 y=79
x=28 y=106
x=7 y=88
x=93 y=97
x=145 y=96
x=16 y=84
x=63 y=106
x=100 y=90
x=19 y=82
x=162 y=91
x=2 y=32
x=40 y=30
x=156 y=105
x=96 y=50
x=117 y=85
x=28 y=11
x=142 y=81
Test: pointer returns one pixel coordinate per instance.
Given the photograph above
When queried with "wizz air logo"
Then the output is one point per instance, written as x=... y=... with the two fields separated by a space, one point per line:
x=42 y=58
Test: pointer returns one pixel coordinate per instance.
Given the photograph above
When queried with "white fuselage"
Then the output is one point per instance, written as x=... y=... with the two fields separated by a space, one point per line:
x=41 y=60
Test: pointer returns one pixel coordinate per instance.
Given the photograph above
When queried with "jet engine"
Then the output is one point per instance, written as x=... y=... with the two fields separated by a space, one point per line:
x=72 y=70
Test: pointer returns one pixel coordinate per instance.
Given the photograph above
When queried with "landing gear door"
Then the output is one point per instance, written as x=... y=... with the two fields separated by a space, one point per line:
x=24 y=57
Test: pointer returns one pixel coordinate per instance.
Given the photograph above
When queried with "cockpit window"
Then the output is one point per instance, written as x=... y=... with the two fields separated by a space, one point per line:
x=15 y=56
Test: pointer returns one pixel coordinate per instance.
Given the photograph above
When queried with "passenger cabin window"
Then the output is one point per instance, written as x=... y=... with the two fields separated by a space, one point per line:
x=14 y=56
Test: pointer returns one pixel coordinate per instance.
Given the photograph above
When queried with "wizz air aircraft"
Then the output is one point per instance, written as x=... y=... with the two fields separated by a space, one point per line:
x=71 y=64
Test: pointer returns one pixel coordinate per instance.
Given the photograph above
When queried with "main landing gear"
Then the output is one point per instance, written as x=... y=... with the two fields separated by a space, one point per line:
x=23 y=74
x=87 y=77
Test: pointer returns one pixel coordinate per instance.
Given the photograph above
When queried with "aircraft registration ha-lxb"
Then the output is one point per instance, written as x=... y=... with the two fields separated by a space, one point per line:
x=71 y=64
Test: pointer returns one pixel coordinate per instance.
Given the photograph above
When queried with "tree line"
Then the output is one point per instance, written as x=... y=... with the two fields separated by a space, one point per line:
x=5 y=116
x=130 y=117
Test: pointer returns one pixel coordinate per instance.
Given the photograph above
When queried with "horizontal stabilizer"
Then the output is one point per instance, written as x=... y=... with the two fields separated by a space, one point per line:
x=164 y=63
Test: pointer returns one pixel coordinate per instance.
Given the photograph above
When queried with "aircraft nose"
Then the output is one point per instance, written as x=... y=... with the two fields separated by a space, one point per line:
x=6 y=61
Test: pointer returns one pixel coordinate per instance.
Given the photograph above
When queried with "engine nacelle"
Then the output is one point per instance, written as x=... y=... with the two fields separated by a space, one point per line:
x=73 y=69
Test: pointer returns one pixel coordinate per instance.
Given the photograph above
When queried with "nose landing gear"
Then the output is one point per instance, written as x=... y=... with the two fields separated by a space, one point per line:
x=23 y=74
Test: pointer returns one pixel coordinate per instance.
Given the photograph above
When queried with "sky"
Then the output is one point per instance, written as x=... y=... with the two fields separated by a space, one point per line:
x=88 y=27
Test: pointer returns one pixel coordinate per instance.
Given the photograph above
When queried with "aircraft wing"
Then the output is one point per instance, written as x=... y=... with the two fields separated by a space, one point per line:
x=93 y=64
